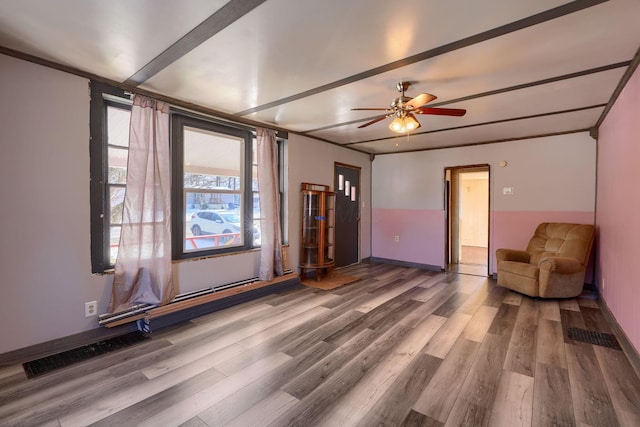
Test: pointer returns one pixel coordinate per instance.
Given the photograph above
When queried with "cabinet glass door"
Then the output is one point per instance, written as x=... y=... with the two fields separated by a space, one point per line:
x=317 y=248
x=310 y=228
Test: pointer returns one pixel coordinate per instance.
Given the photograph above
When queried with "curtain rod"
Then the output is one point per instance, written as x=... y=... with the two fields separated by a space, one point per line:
x=127 y=90
x=125 y=87
x=208 y=115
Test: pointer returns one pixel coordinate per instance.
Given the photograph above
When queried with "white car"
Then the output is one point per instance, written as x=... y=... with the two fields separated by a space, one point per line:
x=214 y=222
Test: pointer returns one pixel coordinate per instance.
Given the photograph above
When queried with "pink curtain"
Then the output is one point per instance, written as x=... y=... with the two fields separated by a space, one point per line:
x=270 y=231
x=143 y=267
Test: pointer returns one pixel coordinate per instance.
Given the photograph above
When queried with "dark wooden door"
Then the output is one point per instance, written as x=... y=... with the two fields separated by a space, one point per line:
x=347 y=231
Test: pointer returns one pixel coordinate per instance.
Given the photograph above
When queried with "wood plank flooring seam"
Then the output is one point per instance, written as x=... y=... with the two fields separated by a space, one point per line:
x=364 y=395
x=244 y=399
x=326 y=394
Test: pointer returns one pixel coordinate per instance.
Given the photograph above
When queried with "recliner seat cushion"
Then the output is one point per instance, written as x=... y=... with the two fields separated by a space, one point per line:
x=519 y=276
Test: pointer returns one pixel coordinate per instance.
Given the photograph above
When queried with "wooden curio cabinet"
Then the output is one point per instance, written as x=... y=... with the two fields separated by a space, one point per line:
x=318 y=227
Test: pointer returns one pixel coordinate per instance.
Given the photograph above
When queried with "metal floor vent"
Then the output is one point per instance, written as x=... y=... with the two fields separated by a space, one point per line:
x=593 y=337
x=47 y=364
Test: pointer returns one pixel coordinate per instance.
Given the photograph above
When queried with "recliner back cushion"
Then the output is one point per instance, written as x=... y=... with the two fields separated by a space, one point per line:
x=561 y=239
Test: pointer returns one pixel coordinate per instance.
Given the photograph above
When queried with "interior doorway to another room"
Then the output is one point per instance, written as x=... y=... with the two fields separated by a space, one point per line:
x=467 y=216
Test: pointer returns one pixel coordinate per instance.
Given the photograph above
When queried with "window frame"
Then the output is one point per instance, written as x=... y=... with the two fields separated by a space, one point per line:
x=102 y=96
x=180 y=120
x=99 y=170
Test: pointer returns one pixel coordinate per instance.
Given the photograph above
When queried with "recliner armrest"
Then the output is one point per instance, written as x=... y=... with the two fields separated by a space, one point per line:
x=560 y=265
x=512 y=255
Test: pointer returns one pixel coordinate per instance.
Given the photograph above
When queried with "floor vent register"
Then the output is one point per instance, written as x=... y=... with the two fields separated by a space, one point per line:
x=593 y=337
x=47 y=364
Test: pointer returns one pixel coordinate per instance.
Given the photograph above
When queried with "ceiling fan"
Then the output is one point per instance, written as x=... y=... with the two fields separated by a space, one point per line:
x=404 y=108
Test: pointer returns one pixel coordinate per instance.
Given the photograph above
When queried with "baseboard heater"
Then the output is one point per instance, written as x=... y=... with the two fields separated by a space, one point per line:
x=196 y=303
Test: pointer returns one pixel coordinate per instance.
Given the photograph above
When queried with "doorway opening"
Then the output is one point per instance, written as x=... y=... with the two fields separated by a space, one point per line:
x=467 y=216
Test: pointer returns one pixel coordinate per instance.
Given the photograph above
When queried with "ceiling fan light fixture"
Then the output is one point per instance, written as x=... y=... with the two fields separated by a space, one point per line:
x=404 y=124
x=402 y=110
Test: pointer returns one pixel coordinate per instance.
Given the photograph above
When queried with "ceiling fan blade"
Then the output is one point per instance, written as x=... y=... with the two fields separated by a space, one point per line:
x=376 y=120
x=421 y=99
x=371 y=109
x=441 y=111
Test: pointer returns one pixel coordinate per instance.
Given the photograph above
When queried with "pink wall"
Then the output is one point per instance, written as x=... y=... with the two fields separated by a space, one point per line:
x=420 y=232
x=618 y=208
x=408 y=194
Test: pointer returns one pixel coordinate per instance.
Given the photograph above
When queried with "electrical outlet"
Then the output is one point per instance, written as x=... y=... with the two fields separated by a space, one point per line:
x=396 y=238
x=90 y=308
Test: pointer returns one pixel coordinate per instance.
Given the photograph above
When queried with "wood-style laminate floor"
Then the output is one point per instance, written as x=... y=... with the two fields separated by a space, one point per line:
x=472 y=269
x=401 y=347
x=474 y=255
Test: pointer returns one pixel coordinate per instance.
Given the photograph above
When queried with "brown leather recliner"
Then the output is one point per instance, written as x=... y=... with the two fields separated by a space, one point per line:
x=554 y=264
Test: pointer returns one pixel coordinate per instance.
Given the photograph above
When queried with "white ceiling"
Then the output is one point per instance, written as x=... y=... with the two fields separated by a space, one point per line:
x=520 y=68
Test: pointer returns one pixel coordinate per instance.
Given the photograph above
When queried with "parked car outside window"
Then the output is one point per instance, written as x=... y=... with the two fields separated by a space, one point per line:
x=214 y=222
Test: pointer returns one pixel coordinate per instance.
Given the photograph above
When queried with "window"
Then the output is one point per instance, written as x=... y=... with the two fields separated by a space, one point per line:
x=117 y=153
x=215 y=201
x=212 y=171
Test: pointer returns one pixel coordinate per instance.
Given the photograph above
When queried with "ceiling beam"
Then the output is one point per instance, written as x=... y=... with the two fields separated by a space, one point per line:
x=529 y=21
x=495 y=92
x=493 y=122
x=221 y=19
x=538 y=83
x=623 y=82
x=496 y=141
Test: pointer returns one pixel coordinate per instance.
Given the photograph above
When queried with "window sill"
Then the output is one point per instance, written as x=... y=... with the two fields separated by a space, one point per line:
x=111 y=271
